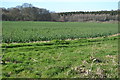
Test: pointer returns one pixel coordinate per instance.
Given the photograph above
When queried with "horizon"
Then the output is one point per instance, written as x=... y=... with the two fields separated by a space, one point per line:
x=64 y=6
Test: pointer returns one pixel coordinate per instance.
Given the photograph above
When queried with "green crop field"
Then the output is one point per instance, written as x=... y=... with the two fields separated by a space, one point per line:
x=44 y=31
x=87 y=57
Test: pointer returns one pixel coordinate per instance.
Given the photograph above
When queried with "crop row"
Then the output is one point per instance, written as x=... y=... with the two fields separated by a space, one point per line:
x=44 y=31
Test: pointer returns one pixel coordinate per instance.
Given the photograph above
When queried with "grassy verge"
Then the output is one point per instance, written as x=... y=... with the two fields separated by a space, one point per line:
x=83 y=58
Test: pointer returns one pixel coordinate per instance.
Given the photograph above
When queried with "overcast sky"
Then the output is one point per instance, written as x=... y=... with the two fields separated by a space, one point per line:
x=65 y=5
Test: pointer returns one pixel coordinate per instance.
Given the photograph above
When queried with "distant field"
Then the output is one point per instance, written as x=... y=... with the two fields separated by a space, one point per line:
x=29 y=31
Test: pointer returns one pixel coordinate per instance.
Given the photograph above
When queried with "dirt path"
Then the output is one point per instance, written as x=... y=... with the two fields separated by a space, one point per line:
x=114 y=35
x=104 y=36
x=73 y=39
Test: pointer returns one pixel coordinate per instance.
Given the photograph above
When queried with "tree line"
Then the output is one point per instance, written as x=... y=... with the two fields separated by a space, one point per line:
x=27 y=12
x=89 y=16
x=112 y=12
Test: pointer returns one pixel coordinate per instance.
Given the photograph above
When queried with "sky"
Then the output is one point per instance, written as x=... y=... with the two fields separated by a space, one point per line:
x=65 y=5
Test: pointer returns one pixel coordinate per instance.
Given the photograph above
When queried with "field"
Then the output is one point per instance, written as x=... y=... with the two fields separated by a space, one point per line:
x=44 y=31
x=87 y=57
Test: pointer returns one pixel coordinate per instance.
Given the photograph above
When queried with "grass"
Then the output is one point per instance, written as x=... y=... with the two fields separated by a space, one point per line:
x=59 y=58
x=82 y=58
x=28 y=31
